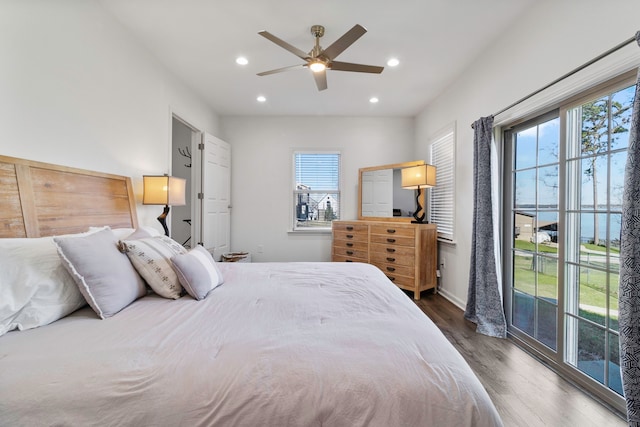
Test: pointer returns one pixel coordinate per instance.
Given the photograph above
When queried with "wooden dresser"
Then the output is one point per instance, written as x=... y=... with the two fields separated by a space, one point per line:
x=407 y=253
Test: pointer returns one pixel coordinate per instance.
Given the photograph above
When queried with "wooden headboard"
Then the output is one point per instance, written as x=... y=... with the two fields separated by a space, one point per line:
x=40 y=199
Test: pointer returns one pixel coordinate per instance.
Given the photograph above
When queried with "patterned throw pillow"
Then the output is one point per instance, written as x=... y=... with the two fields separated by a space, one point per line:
x=151 y=257
x=197 y=272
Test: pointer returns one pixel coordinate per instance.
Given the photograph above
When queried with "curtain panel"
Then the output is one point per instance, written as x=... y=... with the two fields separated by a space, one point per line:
x=629 y=287
x=484 y=298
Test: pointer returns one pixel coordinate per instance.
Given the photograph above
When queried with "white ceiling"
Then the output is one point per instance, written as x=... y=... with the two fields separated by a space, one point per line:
x=199 y=40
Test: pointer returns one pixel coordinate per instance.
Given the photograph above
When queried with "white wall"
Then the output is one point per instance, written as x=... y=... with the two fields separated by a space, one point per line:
x=76 y=89
x=261 y=174
x=551 y=39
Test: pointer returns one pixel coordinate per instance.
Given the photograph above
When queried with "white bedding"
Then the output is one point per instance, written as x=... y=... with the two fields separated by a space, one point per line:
x=278 y=344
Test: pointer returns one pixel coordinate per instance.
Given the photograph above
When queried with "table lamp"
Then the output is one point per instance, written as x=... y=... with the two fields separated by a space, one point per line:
x=416 y=178
x=163 y=190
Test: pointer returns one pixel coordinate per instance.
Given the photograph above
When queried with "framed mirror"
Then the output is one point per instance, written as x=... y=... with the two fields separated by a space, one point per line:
x=381 y=196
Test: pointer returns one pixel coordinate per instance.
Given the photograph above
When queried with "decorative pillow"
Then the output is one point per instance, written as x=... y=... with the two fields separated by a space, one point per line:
x=130 y=233
x=104 y=275
x=151 y=257
x=141 y=233
x=197 y=271
x=35 y=287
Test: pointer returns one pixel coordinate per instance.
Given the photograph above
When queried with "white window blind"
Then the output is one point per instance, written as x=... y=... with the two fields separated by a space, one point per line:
x=316 y=189
x=442 y=206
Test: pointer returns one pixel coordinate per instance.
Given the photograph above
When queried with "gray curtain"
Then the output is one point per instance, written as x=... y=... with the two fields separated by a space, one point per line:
x=629 y=296
x=484 y=299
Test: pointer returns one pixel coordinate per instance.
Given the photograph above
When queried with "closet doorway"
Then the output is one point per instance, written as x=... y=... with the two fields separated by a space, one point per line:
x=184 y=144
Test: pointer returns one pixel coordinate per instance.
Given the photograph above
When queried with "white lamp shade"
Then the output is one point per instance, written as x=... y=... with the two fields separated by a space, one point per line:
x=423 y=176
x=163 y=190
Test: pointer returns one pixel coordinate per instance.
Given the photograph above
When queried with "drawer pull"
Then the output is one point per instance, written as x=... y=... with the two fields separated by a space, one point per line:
x=349 y=228
x=393 y=279
x=349 y=236
x=391 y=250
x=349 y=244
x=391 y=240
x=391 y=269
x=347 y=260
x=349 y=252
x=391 y=259
x=391 y=230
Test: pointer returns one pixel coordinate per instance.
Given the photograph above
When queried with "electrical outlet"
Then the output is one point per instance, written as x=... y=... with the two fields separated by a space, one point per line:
x=260 y=249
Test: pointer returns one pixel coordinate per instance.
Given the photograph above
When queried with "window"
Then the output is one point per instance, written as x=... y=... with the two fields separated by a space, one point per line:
x=564 y=177
x=316 y=190
x=442 y=205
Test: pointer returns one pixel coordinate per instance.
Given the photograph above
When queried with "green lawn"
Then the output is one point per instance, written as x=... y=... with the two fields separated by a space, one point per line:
x=592 y=284
x=593 y=247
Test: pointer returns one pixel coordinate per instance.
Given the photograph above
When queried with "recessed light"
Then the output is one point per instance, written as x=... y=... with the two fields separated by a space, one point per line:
x=241 y=60
x=393 y=62
x=373 y=100
x=261 y=99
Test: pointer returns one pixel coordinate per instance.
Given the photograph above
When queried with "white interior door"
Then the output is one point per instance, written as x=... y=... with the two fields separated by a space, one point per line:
x=216 y=195
x=377 y=193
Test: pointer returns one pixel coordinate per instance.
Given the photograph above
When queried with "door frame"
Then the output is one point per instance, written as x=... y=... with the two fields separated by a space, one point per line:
x=196 y=182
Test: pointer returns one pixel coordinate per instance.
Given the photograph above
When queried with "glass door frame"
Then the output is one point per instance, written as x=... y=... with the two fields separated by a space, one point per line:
x=508 y=228
x=505 y=134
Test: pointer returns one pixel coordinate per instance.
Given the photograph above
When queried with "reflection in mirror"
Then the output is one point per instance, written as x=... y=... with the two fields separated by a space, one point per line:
x=381 y=193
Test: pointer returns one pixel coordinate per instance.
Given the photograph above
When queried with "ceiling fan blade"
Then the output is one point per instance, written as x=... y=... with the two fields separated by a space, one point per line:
x=283 y=44
x=279 y=70
x=359 y=68
x=344 y=42
x=321 y=79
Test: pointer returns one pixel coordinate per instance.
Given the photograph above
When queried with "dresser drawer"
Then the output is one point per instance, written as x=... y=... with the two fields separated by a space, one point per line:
x=350 y=236
x=392 y=260
x=350 y=252
x=392 y=251
x=403 y=282
x=342 y=258
x=350 y=227
x=355 y=245
x=393 y=240
x=395 y=269
x=393 y=230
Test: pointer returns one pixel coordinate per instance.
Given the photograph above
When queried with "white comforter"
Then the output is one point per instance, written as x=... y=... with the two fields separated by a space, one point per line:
x=278 y=344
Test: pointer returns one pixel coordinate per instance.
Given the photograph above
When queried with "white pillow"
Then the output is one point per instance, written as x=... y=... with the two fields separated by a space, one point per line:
x=35 y=288
x=103 y=274
x=151 y=257
x=197 y=272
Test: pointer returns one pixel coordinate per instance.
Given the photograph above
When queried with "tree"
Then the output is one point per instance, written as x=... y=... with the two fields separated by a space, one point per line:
x=602 y=119
x=328 y=213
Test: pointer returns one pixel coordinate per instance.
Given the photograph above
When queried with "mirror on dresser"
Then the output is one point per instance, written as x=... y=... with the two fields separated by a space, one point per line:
x=381 y=196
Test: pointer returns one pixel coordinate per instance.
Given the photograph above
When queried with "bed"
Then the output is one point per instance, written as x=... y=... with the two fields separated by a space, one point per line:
x=275 y=344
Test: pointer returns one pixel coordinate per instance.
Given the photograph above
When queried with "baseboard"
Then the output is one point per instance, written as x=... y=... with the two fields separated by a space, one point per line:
x=452 y=299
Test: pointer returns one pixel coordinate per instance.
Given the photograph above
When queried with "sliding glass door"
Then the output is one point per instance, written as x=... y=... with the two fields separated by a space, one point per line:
x=534 y=245
x=597 y=140
x=564 y=175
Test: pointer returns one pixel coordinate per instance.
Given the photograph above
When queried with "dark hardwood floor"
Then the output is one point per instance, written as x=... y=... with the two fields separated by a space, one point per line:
x=525 y=392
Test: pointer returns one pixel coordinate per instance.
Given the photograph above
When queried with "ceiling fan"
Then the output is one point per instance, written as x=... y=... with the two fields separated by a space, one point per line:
x=320 y=60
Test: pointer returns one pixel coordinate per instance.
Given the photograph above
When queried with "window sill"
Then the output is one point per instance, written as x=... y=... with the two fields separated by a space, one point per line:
x=310 y=231
x=448 y=242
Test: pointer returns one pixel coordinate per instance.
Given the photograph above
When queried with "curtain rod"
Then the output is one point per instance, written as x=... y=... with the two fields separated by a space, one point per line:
x=569 y=74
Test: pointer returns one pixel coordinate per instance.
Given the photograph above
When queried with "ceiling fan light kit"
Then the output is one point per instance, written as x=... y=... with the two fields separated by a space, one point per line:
x=320 y=60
